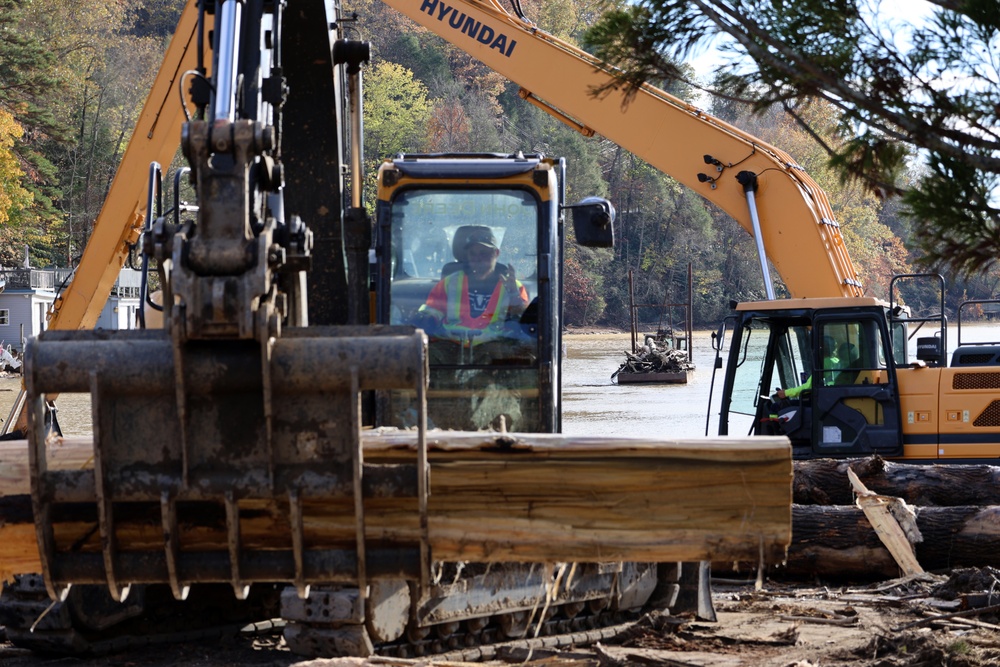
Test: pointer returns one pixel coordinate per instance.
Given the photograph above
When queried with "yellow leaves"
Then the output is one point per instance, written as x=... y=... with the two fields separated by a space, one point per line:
x=13 y=197
x=396 y=107
x=10 y=130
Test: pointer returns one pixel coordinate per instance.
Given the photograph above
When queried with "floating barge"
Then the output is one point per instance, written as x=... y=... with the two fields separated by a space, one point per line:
x=656 y=362
x=664 y=358
x=653 y=377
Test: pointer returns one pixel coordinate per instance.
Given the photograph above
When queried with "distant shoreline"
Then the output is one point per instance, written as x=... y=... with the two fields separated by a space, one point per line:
x=591 y=331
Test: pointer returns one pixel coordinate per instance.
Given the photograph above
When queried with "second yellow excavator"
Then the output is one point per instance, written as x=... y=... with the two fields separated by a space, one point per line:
x=920 y=409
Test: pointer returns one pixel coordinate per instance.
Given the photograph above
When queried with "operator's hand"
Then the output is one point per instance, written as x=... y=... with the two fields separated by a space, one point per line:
x=515 y=306
x=510 y=280
x=430 y=325
x=780 y=394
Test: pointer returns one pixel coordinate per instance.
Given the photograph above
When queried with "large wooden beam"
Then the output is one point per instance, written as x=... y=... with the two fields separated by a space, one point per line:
x=492 y=498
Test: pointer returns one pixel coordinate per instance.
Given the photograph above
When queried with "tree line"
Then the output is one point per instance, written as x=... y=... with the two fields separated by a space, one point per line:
x=74 y=75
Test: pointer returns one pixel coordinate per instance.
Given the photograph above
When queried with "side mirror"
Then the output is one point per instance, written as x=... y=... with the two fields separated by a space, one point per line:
x=593 y=222
x=719 y=336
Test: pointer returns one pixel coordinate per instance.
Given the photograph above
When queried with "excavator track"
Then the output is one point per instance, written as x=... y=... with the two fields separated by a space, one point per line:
x=334 y=621
x=489 y=643
x=478 y=610
x=477 y=638
x=59 y=630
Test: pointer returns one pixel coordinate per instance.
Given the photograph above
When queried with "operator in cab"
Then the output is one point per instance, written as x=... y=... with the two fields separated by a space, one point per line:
x=831 y=362
x=788 y=414
x=473 y=303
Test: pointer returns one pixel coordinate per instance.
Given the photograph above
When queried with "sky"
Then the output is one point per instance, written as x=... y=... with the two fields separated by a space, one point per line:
x=888 y=11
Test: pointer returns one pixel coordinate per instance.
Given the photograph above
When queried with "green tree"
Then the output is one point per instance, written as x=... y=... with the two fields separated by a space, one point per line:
x=156 y=18
x=53 y=59
x=396 y=114
x=30 y=87
x=900 y=87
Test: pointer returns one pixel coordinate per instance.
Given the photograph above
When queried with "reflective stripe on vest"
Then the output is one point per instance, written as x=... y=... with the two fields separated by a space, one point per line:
x=459 y=318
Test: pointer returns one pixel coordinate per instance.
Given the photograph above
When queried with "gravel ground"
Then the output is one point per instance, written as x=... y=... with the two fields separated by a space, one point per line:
x=893 y=624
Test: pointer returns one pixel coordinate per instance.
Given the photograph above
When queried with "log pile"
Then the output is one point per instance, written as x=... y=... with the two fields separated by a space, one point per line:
x=957 y=509
x=824 y=482
x=838 y=542
x=492 y=498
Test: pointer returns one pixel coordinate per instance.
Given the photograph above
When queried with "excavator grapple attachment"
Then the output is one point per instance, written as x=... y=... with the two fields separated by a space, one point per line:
x=203 y=434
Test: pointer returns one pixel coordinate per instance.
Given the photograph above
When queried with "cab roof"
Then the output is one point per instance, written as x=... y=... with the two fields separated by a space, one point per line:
x=813 y=303
x=459 y=165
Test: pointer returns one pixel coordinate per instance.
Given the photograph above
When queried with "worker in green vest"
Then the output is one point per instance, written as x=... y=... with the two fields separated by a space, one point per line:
x=831 y=362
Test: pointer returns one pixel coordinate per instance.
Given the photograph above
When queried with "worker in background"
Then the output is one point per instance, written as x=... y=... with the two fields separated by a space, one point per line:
x=473 y=304
x=831 y=362
x=786 y=413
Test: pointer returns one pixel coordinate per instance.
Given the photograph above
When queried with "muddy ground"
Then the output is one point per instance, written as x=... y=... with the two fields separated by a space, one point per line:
x=921 y=622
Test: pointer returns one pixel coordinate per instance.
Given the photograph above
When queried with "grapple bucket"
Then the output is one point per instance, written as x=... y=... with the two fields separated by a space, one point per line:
x=191 y=439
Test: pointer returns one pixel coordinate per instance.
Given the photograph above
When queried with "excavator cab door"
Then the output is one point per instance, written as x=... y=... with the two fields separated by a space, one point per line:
x=855 y=397
x=759 y=359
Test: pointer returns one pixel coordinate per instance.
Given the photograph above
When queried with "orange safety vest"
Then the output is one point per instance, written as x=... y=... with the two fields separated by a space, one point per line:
x=449 y=300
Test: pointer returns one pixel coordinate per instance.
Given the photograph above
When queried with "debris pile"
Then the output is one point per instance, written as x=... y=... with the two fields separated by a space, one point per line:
x=655 y=358
x=10 y=362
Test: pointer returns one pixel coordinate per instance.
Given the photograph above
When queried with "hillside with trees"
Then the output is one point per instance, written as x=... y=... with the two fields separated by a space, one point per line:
x=74 y=74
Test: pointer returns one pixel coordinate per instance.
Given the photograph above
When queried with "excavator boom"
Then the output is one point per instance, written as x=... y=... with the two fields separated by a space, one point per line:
x=155 y=138
x=797 y=226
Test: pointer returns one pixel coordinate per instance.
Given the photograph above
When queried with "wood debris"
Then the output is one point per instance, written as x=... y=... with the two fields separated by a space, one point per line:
x=893 y=521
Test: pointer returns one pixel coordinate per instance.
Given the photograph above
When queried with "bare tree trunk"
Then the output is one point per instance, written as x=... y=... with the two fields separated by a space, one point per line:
x=824 y=482
x=837 y=542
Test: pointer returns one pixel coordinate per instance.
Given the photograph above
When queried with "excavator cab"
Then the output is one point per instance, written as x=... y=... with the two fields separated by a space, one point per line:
x=493 y=353
x=837 y=369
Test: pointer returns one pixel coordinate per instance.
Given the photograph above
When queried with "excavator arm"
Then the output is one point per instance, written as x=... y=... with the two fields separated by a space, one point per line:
x=794 y=223
x=116 y=231
x=118 y=225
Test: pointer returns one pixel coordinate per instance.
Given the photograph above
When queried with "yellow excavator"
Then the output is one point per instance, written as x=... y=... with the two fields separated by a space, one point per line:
x=244 y=278
x=249 y=397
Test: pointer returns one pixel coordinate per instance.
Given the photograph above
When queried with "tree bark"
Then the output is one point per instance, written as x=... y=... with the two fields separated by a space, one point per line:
x=824 y=482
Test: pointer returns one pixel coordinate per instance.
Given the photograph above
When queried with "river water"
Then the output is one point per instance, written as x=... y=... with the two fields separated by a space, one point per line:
x=593 y=405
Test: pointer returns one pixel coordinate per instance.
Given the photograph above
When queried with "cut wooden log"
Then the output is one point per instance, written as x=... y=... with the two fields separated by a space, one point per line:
x=824 y=482
x=493 y=498
x=837 y=542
